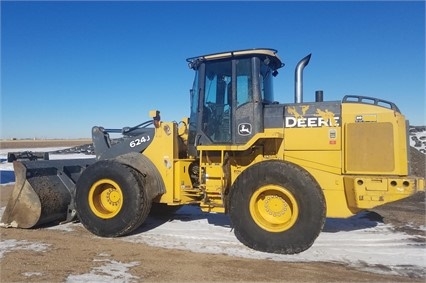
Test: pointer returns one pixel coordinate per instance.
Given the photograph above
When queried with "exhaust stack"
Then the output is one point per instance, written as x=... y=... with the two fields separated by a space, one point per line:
x=298 y=77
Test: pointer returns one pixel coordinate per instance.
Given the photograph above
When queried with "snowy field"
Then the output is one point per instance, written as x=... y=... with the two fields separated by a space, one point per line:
x=357 y=242
x=418 y=141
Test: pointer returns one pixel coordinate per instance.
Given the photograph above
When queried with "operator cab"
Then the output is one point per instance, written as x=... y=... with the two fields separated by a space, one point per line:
x=228 y=95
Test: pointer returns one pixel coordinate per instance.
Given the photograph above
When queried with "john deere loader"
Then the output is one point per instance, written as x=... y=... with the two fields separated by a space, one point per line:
x=277 y=169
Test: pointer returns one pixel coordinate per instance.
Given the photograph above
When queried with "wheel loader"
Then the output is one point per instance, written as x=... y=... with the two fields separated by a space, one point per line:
x=277 y=169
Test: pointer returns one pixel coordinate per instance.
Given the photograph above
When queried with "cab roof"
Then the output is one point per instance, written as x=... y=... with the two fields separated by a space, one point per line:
x=267 y=53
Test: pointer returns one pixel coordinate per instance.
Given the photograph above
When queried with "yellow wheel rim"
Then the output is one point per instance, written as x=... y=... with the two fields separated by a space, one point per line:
x=274 y=208
x=105 y=198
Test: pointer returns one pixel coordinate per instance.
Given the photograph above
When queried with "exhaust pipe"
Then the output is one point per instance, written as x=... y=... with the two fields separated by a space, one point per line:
x=298 y=77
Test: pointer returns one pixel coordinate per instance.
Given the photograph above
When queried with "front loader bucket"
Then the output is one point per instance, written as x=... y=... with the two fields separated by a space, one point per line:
x=43 y=192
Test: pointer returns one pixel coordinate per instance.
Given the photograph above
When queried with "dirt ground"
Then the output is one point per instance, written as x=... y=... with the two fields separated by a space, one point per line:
x=79 y=252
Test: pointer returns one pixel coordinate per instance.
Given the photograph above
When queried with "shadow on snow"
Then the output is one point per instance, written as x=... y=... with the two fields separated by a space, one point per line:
x=189 y=213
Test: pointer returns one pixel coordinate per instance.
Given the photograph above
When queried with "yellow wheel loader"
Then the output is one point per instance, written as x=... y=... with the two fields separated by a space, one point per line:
x=277 y=169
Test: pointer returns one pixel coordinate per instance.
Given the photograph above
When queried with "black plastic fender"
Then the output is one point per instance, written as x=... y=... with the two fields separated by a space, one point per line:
x=153 y=181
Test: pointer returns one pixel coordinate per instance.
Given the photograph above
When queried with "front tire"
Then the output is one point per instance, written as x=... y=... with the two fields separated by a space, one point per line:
x=111 y=199
x=277 y=207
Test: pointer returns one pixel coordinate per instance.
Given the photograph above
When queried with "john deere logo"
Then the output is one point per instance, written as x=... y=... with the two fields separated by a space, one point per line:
x=244 y=129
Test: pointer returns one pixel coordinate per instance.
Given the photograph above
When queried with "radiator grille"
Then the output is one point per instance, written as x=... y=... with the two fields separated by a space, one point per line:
x=369 y=148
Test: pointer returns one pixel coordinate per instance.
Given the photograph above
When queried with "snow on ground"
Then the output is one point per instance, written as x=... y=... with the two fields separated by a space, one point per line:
x=357 y=242
x=11 y=245
x=418 y=140
x=111 y=271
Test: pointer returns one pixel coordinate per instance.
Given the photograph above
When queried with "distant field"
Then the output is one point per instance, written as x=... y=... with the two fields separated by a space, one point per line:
x=43 y=143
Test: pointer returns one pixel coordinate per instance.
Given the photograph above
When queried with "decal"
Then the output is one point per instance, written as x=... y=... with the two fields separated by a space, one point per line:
x=332 y=135
x=293 y=111
x=310 y=117
x=244 y=129
x=366 y=118
x=313 y=122
x=139 y=141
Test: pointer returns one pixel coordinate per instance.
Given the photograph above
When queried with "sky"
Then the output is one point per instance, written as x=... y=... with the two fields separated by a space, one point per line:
x=70 y=65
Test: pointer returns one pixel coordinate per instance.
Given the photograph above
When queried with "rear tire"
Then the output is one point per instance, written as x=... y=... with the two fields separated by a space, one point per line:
x=111 y=199
x=277 y=207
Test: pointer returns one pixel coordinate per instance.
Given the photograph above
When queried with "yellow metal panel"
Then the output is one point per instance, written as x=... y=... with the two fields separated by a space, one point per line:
x=365 y=192
x=162 y=151
x=336 y=204
x=182 y=184
x=324 y=138
x=420 y=184
x=401 y=146
x=214 y=178
x=369 y=117
x=348 y=195
x=332 y=186
x=328 y=161
x=374 y=151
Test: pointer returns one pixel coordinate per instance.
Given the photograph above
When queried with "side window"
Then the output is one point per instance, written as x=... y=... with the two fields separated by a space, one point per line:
x=217 y=102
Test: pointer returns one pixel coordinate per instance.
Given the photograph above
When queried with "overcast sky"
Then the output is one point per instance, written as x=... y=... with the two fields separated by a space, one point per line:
x=67 y=66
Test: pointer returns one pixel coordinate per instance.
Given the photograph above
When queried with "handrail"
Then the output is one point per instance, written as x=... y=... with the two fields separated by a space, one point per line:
x=370 y=100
